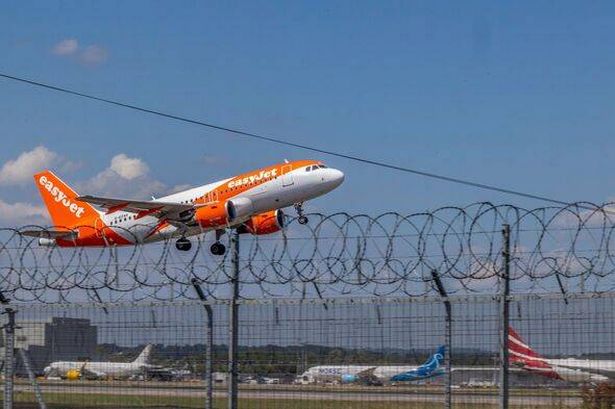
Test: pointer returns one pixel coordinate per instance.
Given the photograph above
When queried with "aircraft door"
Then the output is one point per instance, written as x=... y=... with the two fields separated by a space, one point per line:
x=211 y=197
x=287 y=177
x=98 y=227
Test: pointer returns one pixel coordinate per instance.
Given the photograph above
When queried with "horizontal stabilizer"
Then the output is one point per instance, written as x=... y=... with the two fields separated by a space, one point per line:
x=49 y=234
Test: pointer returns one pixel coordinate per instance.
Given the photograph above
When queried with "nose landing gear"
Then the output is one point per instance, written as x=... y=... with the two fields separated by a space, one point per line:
x=183 y=244
x=299 y=208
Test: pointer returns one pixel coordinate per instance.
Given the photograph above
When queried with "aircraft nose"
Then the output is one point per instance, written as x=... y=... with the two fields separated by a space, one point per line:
x=335 y=177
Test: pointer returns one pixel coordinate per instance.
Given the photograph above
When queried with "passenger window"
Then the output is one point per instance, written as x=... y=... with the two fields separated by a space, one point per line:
x=308 y=169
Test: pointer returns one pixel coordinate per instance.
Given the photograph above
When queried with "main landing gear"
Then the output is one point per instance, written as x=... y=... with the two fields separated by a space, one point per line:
x=183 y=244
x=299 y=208
x=218 y=249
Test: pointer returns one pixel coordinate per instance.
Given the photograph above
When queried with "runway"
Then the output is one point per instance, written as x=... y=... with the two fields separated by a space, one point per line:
x=290 y=392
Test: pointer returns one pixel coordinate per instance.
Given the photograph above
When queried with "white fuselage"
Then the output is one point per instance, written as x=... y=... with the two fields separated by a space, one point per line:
x=100 y=369
x=324 y=373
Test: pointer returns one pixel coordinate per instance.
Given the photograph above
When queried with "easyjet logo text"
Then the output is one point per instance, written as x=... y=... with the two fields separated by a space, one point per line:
x=253 y=178
x=60 y=197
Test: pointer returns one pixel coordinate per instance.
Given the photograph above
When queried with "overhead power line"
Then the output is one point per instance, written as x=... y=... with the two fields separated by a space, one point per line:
x=287 y=143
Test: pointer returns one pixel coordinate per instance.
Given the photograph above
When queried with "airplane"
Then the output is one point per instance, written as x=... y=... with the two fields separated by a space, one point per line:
x=375 y=374
x=567 y=369
x=97 y=370
x=251 y=202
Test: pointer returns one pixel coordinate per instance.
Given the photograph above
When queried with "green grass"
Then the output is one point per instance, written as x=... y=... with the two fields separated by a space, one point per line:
x=25 y=400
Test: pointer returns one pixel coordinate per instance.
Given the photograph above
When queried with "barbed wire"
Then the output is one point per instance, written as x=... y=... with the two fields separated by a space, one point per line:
x=570 y=248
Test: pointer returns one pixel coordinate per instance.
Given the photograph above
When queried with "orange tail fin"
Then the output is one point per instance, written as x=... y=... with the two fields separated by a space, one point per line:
x=60 y=201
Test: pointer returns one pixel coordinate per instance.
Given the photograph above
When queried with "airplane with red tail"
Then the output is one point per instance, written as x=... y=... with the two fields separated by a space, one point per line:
x=566 y=369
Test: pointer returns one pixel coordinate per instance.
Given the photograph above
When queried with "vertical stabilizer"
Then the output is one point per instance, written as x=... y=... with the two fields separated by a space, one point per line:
x=520 y=354
x=60 y=201
x=143 y=357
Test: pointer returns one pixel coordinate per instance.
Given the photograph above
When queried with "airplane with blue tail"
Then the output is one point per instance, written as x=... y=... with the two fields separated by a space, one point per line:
x=375 y=375
x=431 y=368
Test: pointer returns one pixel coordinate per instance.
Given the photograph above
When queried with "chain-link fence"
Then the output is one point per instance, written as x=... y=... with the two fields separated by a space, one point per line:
x=320 y=353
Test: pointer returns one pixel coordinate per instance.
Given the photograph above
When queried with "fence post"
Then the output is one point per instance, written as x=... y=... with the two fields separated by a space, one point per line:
x=37 y=389
x=505 y=317
x=209 y=345
x=9 y=357
x=233 y=323
x=448 y=340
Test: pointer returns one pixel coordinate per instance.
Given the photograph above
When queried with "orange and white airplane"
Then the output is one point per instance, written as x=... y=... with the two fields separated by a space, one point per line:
x=250 y=202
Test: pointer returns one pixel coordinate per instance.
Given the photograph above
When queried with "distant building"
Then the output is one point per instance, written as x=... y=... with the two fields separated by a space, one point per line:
x=55 y=339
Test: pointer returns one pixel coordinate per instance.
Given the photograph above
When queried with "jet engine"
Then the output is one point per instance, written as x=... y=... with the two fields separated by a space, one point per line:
x=73 y=374
x=349 y=378
x=217 y=215
x=239 y=208
x=264 y=223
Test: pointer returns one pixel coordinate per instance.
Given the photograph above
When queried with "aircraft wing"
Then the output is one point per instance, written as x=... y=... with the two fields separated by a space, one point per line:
x=49 y=234
x=367 y=376
x=90 y=374
x=591 y=370
x=136 y=206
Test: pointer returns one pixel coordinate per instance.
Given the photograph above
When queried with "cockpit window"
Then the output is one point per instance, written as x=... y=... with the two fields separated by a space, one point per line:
x=314 y=167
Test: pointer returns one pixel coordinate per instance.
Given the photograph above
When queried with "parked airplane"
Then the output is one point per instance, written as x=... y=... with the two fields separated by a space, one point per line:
x=376 y=374
x=567 y=369
x=86 y=369
x=250 y=202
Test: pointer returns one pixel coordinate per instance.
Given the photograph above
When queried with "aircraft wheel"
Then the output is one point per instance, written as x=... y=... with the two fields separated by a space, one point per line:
x=217 y=249
x=302 y=220
x=183 y=244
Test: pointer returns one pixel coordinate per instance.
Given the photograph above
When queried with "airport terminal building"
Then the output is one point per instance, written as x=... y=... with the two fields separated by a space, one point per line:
x=54 y=339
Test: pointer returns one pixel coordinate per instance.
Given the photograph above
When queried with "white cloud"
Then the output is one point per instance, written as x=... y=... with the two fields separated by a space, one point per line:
x=20 y=214
x=574 y=218
x=20 y=170
x=128 y=168
x=93 y=55
x=125 y=177
x=67 y=46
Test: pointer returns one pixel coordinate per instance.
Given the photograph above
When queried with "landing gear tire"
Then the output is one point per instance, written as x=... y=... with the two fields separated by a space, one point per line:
x=217 y=249
x=299 y=208
x=183 y=244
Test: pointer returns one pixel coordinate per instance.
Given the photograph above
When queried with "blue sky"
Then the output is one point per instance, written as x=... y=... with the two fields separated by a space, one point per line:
x=518 y=95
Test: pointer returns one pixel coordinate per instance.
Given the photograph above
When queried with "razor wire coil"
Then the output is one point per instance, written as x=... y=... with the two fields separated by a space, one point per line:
x=388 y=254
